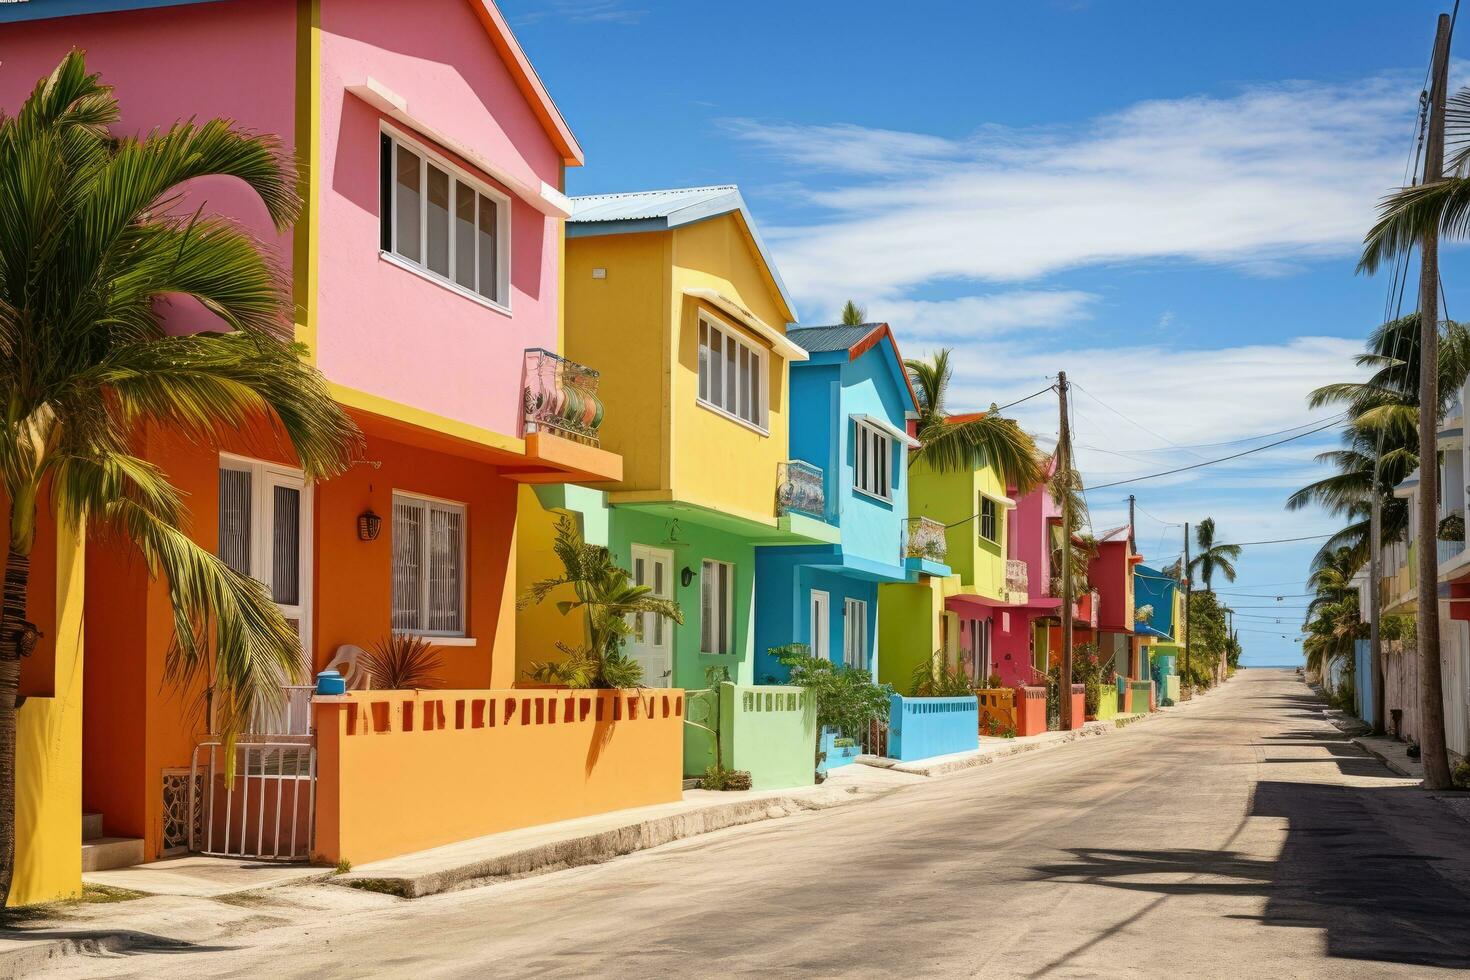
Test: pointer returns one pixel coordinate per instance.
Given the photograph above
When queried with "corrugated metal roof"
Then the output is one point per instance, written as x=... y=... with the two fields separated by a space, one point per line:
x=837 y=337
x=659 y=210
x=642 y=205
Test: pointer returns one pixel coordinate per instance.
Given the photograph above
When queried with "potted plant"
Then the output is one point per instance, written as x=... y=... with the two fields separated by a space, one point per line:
x=612 y=609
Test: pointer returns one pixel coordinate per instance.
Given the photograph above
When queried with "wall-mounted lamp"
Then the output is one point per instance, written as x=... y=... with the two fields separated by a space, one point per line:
x=686 y=576
x=368 y=525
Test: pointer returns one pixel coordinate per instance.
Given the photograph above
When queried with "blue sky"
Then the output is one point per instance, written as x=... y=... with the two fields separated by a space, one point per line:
x=1162 y=199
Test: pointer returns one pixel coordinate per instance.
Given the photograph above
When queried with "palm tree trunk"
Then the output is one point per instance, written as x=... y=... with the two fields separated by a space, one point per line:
x=12 y=627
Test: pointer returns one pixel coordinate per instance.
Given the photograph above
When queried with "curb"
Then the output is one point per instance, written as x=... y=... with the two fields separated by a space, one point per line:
x=1390 y=763
x=595 y=848
x=32 y=958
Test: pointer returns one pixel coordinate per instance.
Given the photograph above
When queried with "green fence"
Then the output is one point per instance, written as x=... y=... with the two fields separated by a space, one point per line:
x=1107 y=702
x=767 y=731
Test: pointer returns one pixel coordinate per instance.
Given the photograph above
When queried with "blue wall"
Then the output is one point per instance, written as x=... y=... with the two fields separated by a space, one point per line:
x=921 y=728
x=1152 y=587
x=1363 y=655
x=784 y=580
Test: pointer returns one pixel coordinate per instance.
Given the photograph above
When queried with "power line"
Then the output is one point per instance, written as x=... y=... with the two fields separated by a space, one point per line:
x=1307 y=537
x=1018 y=401
x=1222 y=459
x=1131 y=421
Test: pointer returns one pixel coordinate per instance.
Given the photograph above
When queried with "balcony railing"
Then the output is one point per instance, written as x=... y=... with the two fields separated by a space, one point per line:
x=1017 y=576
x=924 y=538
x=561 y=397
x=799 y=489
x=1449 y=549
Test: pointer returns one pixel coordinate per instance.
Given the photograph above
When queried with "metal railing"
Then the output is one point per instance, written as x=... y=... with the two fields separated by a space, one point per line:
x=1018 y=576
x=267 y=811
x=291 y=717
x=924 y=538
x=799 y=489
x=561 y=397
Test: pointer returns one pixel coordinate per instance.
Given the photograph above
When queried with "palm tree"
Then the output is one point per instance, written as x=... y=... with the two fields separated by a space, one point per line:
x=853 y=315
x=1333 y=581
x=612 y=608
x=954 y=443
x=91 y=240
x=1213 y=557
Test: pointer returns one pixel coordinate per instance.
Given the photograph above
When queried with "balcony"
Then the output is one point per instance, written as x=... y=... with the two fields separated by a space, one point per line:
x=1018 y=584
x=799 y=489
x=924 y=538
x=561 y=398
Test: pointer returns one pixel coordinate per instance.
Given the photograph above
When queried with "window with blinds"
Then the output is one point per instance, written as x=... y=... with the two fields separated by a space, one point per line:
x=872 y=451
x=732 y=374
x=442 y=220
x=989 y=522
x=717 y=607
x=428 y=566
x=855 y=633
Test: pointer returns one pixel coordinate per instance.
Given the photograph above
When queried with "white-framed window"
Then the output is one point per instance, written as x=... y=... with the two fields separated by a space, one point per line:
x=442 y=221
x=732 y=373
x=872 y=460
x=716 y=607
x=989 y=522
x=265 y=531
x=429 y=565
x=855 y=633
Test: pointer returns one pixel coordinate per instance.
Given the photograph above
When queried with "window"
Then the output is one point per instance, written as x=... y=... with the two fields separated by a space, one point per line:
x=732 y=373
x=717 y=607
x=871 y=455
x=989 y=529
x=428 y=566
x=264 y=528
x=442 y=221
x=855 y=633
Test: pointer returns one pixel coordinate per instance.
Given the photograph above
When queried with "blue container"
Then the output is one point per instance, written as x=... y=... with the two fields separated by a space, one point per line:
x=921 y=728
x=330 y=682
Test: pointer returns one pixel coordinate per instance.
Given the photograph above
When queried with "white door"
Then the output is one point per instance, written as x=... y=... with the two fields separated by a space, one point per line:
x=265 y=532
x=653 y=644
x=821 y=625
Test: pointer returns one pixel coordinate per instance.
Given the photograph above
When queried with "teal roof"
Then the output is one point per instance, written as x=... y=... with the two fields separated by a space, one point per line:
x=18 y=10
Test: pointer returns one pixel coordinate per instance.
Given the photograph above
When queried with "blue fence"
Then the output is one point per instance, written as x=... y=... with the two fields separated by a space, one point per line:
x=836 y=750
x=919 y=728
x=1363 y=657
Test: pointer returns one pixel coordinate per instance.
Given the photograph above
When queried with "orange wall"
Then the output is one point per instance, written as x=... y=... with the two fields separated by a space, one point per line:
x=400 y=772
x=136 y=725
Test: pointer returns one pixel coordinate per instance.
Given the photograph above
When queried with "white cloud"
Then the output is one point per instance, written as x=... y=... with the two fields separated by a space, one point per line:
x=929 y=322
x=1255 y=181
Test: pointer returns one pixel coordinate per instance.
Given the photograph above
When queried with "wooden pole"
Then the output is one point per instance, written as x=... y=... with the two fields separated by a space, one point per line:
x=1064 y=467
x=1431 y=685
x=1375 y=611
x=1188 y=619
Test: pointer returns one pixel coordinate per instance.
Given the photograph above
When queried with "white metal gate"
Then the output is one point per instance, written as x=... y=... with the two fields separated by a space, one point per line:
x=267 y=811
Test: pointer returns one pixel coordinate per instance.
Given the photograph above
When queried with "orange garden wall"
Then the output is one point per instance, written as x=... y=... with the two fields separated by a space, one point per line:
x=400 y=771
x=136 y=725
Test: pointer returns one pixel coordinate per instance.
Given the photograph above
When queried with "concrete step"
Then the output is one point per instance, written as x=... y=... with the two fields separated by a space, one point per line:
x=91 y=826
x=106 y=853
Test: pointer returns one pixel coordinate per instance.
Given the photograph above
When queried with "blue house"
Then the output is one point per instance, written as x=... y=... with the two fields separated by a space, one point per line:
x=849 y=446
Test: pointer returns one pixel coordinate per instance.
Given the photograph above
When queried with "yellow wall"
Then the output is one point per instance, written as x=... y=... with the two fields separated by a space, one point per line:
x=48 y=777
x=640 y=330
x=719 y=462
x=540 y=626
x=619 y=326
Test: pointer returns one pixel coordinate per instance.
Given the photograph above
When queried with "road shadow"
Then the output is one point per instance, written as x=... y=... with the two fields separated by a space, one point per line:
x=1375 y=895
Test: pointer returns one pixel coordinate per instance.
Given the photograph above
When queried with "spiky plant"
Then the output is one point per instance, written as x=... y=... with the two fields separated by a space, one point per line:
x=93 y=243
x=853 y=315
x=402 y=662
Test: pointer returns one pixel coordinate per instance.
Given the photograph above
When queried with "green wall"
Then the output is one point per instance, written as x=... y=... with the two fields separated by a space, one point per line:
x=767 y=731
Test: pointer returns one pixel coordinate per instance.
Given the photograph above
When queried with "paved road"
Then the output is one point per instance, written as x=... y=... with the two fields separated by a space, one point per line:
x=1239 y=837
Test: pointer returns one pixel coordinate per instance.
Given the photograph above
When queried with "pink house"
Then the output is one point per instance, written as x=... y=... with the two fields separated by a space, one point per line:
x=426 y=271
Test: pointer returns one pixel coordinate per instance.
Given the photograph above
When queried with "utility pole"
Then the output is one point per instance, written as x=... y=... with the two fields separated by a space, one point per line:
x=1375 y=612
x=1431 y=685
x=1064 y=467
x=1132 y=543
x=1188 y=618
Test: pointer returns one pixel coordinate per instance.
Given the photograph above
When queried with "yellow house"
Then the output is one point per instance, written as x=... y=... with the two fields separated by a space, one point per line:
x=674 y=296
